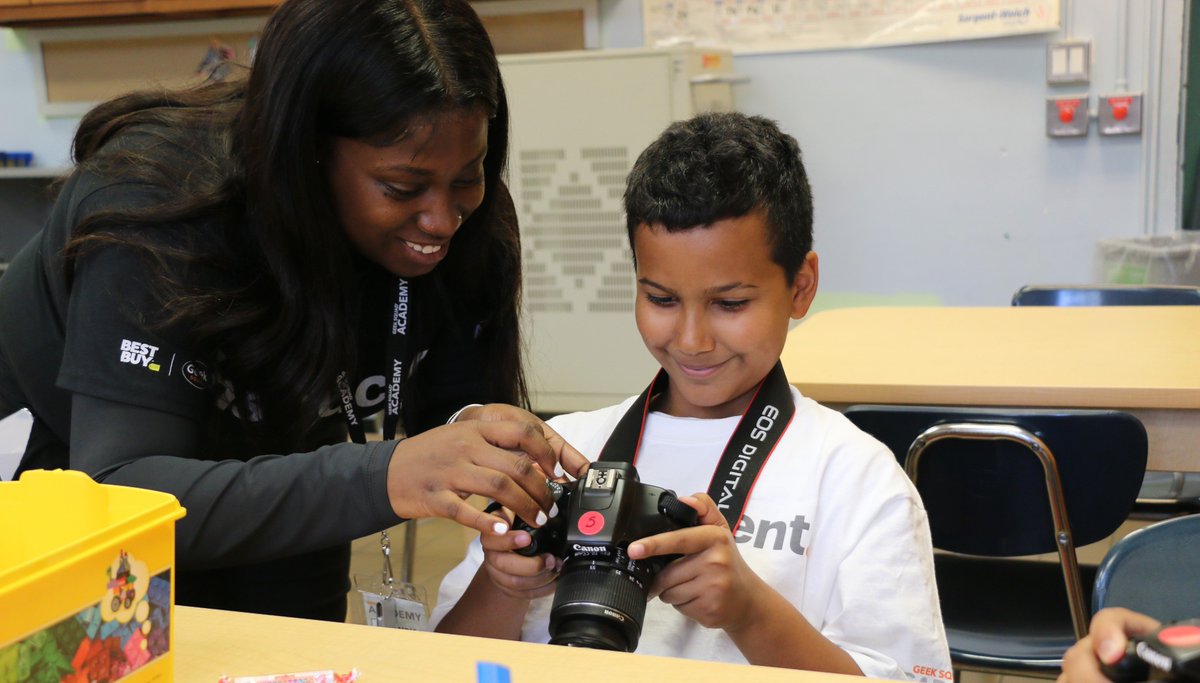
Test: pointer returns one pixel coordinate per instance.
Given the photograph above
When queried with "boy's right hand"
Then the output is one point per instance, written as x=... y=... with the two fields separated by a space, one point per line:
x=518 y=576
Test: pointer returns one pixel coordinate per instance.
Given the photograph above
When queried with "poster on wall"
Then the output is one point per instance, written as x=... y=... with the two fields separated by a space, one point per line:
x=758 y=26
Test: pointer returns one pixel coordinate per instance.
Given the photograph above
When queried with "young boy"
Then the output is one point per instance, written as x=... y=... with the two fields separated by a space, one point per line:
x=830 y=567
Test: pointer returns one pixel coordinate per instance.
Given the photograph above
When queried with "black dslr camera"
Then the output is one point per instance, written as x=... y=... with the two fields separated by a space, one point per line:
x=1172 y=653
x=600 y=600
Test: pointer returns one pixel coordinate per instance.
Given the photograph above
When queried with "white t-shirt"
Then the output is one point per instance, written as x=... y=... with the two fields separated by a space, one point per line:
x=832 y=523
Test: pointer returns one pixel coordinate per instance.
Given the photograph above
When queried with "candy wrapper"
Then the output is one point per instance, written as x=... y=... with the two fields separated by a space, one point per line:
x=303 y=677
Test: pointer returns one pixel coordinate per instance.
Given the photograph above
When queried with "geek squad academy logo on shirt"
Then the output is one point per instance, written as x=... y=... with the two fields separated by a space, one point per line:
x=196 y=374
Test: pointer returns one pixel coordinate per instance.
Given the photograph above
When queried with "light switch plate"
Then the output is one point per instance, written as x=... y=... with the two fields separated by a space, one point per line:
x=1120 y=114
x=1067 y=117
x=1069 y=62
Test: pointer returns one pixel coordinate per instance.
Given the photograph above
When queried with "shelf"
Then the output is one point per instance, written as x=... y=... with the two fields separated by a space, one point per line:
x=34 y=172
x=92 y=12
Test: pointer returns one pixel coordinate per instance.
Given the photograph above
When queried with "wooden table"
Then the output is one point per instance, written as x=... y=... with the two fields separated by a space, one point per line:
x=212 y=643
x=1145 y=360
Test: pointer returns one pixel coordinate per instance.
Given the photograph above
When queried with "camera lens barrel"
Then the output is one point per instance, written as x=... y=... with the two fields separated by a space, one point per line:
x=598 y=605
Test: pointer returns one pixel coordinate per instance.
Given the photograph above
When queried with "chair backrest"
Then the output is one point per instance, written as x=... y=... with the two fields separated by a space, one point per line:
x=1154 y=570
x=1107 y=295
x=990 y=497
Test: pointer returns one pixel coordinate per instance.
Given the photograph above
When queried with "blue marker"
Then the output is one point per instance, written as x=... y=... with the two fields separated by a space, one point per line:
x=490 y=672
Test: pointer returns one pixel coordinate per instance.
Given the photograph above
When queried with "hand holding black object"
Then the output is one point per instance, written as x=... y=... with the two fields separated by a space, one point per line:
x=1104 y=645
x=1170 y=653
x=431 y=474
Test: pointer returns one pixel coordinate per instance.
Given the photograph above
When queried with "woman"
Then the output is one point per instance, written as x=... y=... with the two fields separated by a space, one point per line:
x=236 y=276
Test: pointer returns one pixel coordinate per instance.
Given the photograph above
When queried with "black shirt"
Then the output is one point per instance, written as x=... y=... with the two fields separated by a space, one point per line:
x=265 y=530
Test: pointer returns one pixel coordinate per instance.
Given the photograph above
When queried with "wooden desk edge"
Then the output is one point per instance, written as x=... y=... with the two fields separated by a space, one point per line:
x=212 y=643
x=1155 y=398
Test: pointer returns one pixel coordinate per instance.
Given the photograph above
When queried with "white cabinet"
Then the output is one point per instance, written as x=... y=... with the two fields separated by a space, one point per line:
x=579 y=121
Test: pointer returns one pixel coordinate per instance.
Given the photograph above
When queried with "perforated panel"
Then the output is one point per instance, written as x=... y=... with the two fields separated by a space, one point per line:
x=577 y=257
x=579 y=120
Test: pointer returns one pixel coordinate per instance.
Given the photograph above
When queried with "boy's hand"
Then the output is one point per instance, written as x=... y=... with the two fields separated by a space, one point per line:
x=1105 y=642
x=711 y=584
x=517 y=576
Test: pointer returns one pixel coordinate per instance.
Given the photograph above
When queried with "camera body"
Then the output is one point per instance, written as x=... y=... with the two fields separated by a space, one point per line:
x=1172 y=653
x=600 y=600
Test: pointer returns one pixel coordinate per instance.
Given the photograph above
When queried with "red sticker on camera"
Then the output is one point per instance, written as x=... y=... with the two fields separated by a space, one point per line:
x=1184 y=635
x=591 y=523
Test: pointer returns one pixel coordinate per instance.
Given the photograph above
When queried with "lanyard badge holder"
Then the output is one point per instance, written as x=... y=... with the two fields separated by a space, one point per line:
x=386 y=601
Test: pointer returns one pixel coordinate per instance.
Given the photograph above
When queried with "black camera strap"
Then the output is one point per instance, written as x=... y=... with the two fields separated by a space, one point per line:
x=397 y=348
x=753 y=440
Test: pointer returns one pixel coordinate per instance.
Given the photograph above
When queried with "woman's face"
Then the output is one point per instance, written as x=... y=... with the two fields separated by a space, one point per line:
x=401 y=204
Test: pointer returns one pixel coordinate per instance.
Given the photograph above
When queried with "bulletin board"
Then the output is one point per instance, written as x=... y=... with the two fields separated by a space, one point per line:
x=760 y=26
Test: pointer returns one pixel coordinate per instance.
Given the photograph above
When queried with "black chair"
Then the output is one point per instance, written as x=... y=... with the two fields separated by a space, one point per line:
x=1154 y=570
x=1107 y=295
x=1011 y=483
x=1163 y=494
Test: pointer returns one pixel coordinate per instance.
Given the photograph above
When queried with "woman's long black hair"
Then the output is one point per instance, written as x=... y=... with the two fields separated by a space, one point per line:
x=282 y=323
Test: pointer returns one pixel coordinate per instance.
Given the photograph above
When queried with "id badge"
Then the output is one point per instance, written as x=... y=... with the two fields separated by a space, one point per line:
x=399 y=605
x=388 y=602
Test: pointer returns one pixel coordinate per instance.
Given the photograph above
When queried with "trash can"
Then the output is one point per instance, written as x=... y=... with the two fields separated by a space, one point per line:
x=1153 y=260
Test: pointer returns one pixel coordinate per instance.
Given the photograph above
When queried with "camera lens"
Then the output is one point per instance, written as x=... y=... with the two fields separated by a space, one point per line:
x=598 y=604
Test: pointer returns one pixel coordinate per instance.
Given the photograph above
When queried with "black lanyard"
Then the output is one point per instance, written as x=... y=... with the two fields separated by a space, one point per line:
x=397 y=348
x=753 y=440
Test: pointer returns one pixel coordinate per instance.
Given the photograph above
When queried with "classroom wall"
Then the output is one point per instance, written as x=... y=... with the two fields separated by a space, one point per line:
x=22 y=127
x=933 y=178
x=932 y=175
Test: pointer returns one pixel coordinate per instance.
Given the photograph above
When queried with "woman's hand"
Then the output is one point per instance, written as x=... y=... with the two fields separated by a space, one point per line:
x=431 y=474
x=565 y=454
x=711 y=584
x=1105 y=642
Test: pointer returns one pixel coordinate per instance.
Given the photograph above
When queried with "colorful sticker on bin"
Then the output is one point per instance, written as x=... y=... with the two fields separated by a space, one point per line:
x=126 y=629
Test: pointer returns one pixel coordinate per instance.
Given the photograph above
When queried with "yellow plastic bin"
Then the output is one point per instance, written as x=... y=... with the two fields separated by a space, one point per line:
x=86 y=591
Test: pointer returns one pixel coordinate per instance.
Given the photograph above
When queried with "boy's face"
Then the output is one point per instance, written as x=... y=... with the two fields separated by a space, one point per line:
x=713 y=309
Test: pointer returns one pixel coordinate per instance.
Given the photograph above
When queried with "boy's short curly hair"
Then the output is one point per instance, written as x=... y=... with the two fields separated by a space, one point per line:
x=724 y=165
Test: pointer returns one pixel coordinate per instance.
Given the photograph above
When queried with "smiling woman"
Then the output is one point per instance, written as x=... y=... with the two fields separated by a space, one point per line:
x=235 y=277
x=401 y=202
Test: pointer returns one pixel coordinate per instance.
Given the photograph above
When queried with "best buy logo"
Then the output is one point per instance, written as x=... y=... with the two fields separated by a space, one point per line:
x=137 y=353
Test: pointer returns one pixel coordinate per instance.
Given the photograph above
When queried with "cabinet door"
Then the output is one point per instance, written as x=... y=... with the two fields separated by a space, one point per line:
x=51 y=12
x=83 y=3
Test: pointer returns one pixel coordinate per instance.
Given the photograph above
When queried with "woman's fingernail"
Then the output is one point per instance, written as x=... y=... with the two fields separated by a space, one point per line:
x=554 y=510
x=541 y=518
x=558 y=470
x=636 y=549
x=500 y=528
x=549 y=559
x=522 y=539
